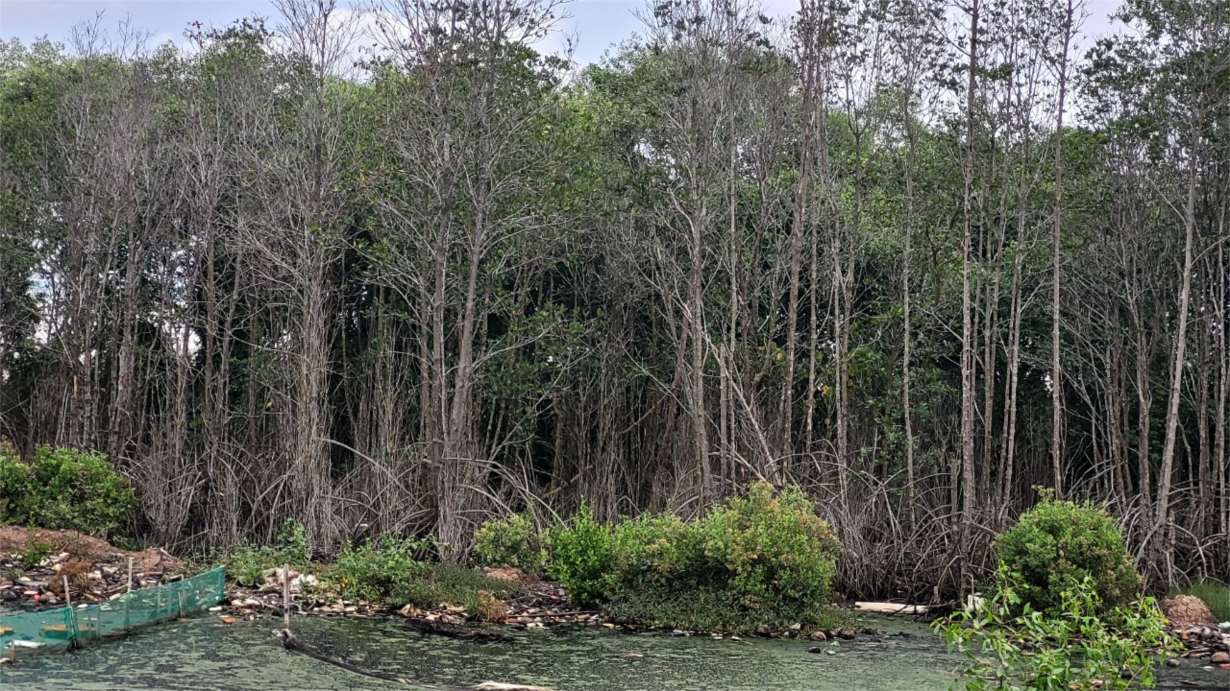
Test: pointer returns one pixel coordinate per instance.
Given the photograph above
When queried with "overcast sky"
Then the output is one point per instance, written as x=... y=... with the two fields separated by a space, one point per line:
x=597 y=24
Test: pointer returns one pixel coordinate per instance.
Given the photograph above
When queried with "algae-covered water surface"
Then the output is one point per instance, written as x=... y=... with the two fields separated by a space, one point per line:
x=203 y=653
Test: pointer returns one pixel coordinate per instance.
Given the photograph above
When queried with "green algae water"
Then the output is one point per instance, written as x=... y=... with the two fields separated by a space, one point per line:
x=203 y=653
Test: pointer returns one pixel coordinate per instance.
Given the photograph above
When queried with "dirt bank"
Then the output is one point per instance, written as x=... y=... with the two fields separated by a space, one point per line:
x=95 y=570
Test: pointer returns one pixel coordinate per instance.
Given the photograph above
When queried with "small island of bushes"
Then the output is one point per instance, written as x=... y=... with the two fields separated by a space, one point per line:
x=762 y=561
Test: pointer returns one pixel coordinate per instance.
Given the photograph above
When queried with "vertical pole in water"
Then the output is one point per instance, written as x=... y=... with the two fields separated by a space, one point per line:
x=286 y=597
x=70 y=618
x=128 y=598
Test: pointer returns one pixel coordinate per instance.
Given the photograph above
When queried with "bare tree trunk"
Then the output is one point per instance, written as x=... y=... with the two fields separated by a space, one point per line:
x=1056 y=382
x=967 y=333
x=1161 y=517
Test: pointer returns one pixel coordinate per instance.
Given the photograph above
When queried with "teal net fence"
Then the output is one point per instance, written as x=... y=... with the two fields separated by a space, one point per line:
x=74 y=626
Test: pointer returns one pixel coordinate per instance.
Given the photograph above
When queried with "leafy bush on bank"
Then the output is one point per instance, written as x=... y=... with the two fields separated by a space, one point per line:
x=513 y=541
x=387 y=570
x=583 y=558
x=374 y=570
x=63 y=489
x=766 y=549
x=752 y=557
x=1057 y=545
x=708 y=610
x=392 y=571
x=249 y=564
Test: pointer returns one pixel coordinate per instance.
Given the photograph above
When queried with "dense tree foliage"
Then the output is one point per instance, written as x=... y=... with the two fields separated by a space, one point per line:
x=915 y=257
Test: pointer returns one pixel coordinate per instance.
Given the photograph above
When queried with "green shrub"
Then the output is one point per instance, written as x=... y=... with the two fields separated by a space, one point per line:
x=446 y=583
x=16 y=486
x=1011 y=645
x=652 y=550
x=512 y=541
x=35 y=552
x=375 y=570
x=767 y=549
x=248 y=564
x=64 y=489
x=583 y=558
x=709 y=610
x=1057 y=545
x=767 y=557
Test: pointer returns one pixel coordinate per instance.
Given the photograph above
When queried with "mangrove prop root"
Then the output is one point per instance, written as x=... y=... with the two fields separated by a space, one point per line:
x=293 y=644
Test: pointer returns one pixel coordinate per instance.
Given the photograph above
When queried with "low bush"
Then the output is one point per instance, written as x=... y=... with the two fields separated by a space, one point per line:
x=705 y=609
x=769 y=548
x=654 y=550
x=583 y=558
x=1057 y=545
x=1075 y=644
x=248 y=564
x=375 y=570
x=34 y=552
x=80 y=492
x=63 y=489
x=513 y=541
x=393 y=571
x=766 y=558
x=454 y=585
x=16 y=480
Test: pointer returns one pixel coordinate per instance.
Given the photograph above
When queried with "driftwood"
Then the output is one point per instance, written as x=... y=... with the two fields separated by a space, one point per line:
x=890 y=608
x=435 y=628
x=293 y=644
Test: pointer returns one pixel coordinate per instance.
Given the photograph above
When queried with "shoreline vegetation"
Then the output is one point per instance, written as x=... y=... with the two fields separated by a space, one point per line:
x=760 y=564
x=909 y=257
x=1066 y=604
x=912 y=300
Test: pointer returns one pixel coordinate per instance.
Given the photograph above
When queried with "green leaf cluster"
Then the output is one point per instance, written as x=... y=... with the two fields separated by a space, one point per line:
x=583 y=558
x=765 y=550
x=1059 y=544
x=1077 y=644
x=376 y=569
x=395 y=571
x=512 y=541
x=63 y=489
x=249 y=564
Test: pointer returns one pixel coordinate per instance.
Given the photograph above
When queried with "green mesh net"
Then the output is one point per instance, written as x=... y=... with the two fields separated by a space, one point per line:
x=64 y=627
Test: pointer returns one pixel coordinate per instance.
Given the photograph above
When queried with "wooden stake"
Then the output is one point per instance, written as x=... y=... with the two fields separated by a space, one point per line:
x=72 y=616
x=128 y=598
x=286 y=597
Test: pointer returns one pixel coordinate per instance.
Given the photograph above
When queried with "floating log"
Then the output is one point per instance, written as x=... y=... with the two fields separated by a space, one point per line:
x=890 y=608
x=291 y=643
x=436 y=628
